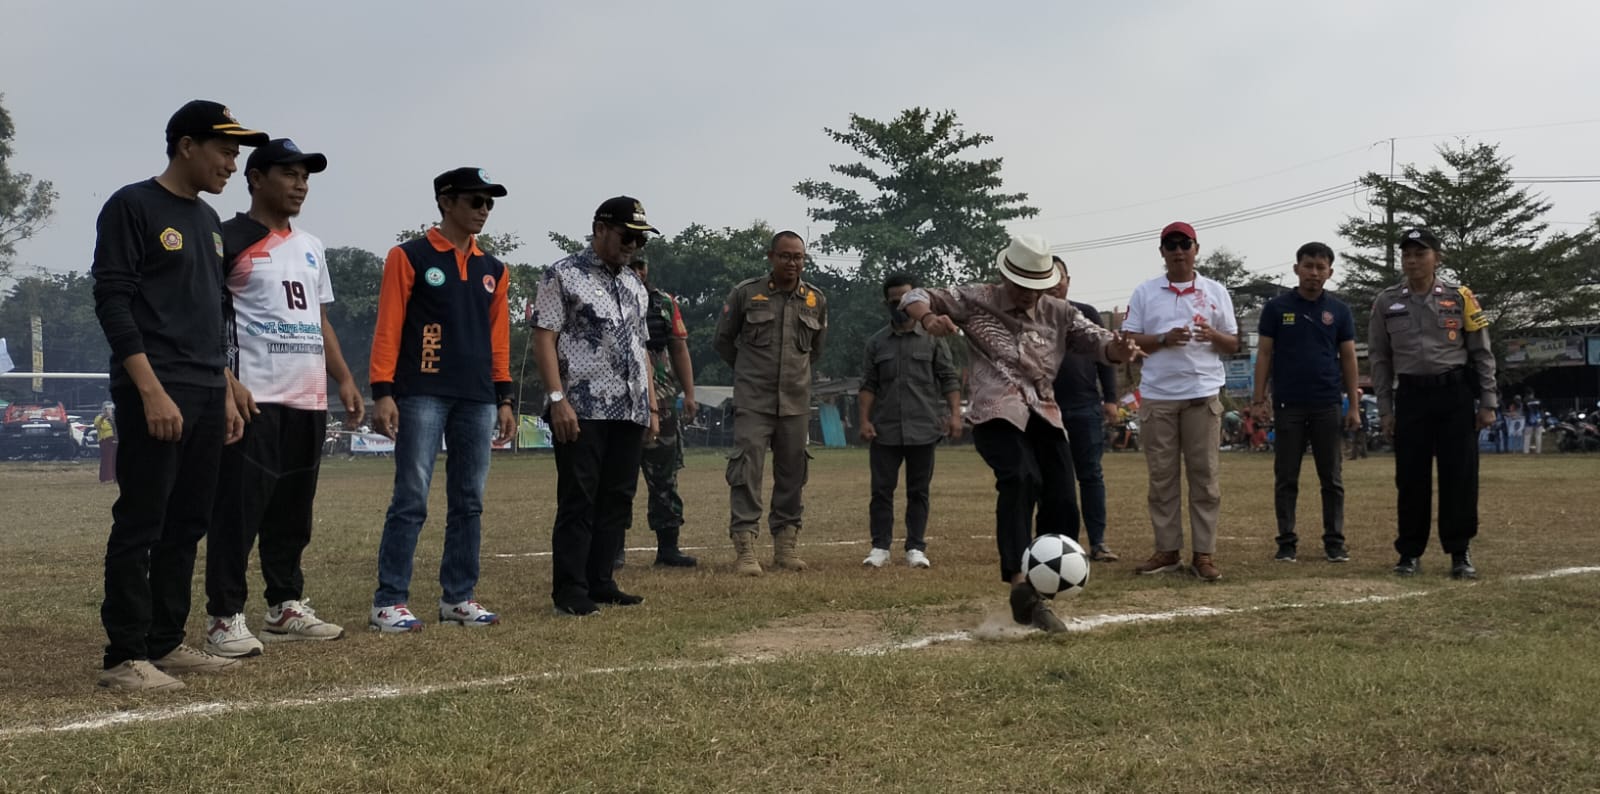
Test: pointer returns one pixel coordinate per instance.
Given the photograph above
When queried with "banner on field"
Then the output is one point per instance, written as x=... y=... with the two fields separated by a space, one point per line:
x=1563 y=351
x=370 y=444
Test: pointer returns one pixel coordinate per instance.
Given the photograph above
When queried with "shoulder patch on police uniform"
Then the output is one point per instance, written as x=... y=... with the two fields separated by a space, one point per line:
x=1475 y=321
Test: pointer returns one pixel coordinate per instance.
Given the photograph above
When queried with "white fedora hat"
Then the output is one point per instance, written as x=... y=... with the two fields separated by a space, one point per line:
x=1026 y=262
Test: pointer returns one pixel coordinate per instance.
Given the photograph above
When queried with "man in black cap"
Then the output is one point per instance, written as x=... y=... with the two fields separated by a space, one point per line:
x=158 y=295
x=1430 y=336
x=589 y=335
x=284 y=349
x=441 y=368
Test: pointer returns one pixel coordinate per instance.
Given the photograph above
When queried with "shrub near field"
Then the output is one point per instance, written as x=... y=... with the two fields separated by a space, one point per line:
x=1305 y=677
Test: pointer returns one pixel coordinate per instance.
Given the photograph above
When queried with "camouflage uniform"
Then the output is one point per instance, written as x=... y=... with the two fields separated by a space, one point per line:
x=663 y=457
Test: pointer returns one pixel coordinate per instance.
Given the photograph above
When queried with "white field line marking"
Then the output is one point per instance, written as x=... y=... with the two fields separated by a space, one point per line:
x=1076 y=624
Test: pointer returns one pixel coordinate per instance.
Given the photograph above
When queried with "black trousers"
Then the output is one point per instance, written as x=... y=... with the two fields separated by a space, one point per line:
x=1030 y=469
x=1436 y=421
x=885 y=460
x=265 y=488
x=596 y=476
x=165 y=491
x=1321 y=427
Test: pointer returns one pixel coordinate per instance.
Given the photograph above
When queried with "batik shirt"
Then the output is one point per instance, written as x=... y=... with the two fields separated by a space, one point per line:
x=1016 y=353
x=599 y=316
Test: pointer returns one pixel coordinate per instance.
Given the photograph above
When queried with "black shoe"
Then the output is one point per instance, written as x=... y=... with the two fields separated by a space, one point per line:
x=622 y=559
x=1407 y=566
x=1337 y=554
x=576 y=608
x=1023 y=599
x=1286 y=553
x=616 y=597
x=1461 y=566
x=1046 y=620
x=671 y=557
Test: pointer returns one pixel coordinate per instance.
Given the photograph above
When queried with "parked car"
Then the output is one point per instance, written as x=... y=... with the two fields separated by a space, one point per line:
x=37 y=431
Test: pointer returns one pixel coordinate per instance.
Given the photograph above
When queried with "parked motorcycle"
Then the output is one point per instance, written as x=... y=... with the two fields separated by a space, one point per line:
x=1577 y=432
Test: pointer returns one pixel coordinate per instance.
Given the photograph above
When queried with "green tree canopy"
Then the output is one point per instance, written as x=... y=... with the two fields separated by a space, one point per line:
x=72 y=338
x=931 y=211
x=25 y=205
x=1250 y=291
x=1495 y=238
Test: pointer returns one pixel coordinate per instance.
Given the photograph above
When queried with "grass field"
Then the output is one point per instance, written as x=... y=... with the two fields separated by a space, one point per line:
x=1304 y=677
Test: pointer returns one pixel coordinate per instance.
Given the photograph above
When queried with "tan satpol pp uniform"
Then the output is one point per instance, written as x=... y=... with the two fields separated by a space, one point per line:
x=771 y=339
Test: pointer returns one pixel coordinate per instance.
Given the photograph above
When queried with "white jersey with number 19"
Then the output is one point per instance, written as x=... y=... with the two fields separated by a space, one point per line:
x=278 y=283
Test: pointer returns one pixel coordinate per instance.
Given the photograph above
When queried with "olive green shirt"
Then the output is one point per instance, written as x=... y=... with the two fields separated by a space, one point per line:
x=909 y=375
x=772 y=338
x=1428 y=333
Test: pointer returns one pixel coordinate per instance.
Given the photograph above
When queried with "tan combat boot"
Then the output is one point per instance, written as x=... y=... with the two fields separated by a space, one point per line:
x=744 y=543
x=783 y=553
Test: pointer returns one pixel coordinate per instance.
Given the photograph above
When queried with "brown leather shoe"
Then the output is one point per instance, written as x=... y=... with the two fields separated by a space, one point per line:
x=1160 y=562
x=1204 y=568
x=1102 y=553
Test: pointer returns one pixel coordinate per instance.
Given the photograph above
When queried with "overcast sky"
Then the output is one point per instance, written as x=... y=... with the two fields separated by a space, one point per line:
x=1113 y=117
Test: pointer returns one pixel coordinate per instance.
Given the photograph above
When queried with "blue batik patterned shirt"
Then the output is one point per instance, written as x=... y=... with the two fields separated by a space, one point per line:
x=599 y=317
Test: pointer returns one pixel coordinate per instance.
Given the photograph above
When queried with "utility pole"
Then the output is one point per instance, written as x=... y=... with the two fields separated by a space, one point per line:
x=1388 y=214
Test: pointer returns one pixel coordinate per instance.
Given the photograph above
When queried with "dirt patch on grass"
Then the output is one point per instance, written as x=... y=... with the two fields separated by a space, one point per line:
x=854 y=630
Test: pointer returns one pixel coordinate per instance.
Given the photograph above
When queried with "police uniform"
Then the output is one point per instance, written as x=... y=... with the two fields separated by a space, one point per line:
x=771 y=338
x=1431 y=362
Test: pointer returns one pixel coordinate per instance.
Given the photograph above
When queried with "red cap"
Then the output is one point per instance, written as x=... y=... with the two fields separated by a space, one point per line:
x=1179 y=227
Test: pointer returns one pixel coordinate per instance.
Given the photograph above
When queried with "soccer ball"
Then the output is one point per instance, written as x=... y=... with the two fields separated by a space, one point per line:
x=1056 y=564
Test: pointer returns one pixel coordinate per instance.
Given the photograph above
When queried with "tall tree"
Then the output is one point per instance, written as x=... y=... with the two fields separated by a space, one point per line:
x=1495 y=238
x=931 y=211
x=25 y=205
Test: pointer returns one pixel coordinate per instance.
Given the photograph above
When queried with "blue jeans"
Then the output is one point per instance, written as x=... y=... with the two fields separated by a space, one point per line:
x=466 y=428
x=1086 y=433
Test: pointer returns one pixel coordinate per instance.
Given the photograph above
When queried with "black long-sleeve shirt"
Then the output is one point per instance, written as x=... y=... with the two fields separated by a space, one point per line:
x=158 y=284
x=1081 y=382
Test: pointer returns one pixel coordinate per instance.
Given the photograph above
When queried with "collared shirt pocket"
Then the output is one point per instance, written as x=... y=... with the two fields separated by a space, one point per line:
x=1397 y=323
x=887 y=366
x=806 y=329
x=757 y=331
x=921 y=373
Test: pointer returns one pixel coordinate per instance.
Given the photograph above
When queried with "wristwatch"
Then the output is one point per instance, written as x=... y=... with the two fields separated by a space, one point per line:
x=555 y=397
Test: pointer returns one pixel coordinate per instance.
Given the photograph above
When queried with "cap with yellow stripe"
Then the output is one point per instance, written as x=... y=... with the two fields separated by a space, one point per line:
x=202 y=118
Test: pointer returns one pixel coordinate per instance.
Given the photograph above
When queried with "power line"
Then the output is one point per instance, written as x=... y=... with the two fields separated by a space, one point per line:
x=1314 y=198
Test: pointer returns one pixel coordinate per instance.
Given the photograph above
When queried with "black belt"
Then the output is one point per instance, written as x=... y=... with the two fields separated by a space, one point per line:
x=1447 y=378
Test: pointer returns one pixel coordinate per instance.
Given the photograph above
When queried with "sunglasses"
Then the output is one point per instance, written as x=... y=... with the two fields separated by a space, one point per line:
x=1181 y=244
x=632 y=237
x=477 y=202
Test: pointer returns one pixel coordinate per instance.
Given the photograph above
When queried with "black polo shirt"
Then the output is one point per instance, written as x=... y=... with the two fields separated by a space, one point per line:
x=1305 y=347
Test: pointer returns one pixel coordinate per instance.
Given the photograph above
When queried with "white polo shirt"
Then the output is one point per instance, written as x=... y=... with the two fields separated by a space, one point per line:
x=1189 y=371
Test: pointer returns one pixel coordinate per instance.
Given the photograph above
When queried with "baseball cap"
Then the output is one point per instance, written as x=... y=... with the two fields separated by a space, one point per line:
x=466 y=180
x=202 y=118
x=1179 y=227
x=1419 y=236
x=624 y=210
x=282 y=151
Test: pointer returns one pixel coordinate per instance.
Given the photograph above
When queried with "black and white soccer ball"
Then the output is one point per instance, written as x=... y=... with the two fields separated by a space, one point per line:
x=1056 y=565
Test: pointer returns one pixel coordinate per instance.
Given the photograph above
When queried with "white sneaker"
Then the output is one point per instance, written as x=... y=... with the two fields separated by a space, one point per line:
x=295 y=620
x=917 y=559
x=230 y=637
x=877 y=558
x=137 y=676
x=467 y=613
x=396 y=619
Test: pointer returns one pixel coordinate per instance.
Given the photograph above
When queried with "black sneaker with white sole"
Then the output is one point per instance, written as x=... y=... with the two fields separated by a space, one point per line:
x=1337 y=554
x=1407 y=566
x=1286 y=553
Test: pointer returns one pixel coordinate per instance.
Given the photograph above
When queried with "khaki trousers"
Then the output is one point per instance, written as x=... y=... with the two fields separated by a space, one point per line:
x=753 y=434
x=1190 y=431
